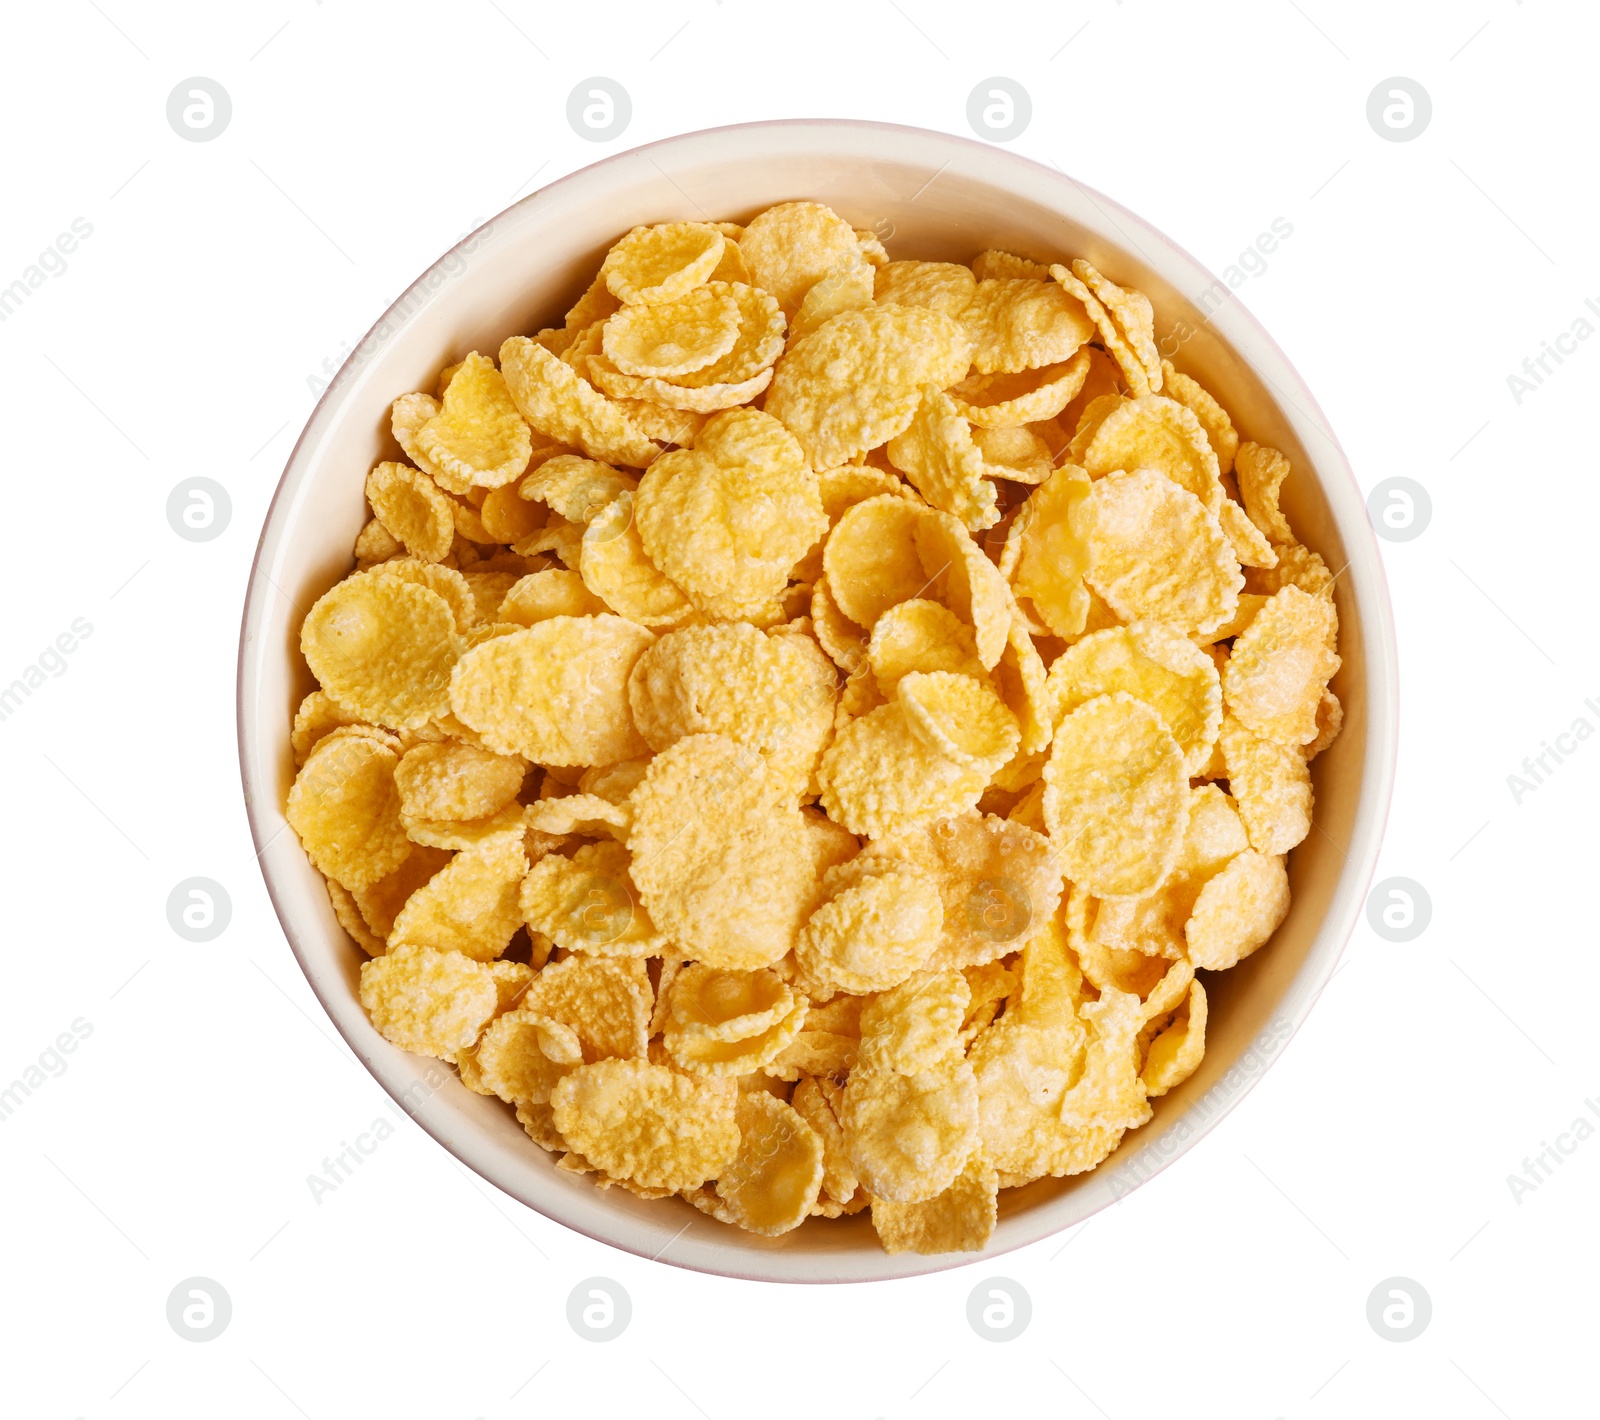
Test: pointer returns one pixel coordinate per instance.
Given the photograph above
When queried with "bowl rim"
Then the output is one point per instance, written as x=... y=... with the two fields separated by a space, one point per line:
x=1369 y=820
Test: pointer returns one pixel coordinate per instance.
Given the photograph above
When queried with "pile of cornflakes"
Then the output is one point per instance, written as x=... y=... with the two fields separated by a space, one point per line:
x=800 y=730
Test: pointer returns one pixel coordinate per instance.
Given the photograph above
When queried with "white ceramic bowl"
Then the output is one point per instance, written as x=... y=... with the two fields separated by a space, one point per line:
x=931 y=196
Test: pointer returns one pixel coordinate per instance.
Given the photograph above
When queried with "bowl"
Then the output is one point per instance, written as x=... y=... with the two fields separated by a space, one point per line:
x=927 y=195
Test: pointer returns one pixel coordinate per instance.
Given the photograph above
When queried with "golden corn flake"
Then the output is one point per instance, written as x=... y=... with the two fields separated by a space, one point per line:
x=350 y=918
x=1272 y=785
x=587 y=814
x=675 y=337
x=848 y=287
x=542 y=595
x=791 y=247
x=646 y=1123
x=960 y=1219
x=1176 y=1051
x=454 y=781
x=1250 y=545
x=871 y=559
x=412 y=507
x=384 y=648
x=1296 y=566
x=960 y=717
x=1330 y=720
x=588 y=903
x=873 y=930
x=428 y=1002
x=997 y=265
x=375 y=543
x=1021 y=680
x=771 y=1184
x=1017 y=452
x=936 y=452
x=1133 y=315
x=1109 y=1094
x=1154 y=432
x=1052 y=552
x=938 y=285
x=909 y=1135
x=1116 y=796
x=728 y=519
x=615 y=568
x=477 y=437
x=1238 y=910
x=346 y=810
x=555 y=692
x=844 y=641
x=407 y=416
x=730 y=1022
x=442 y=581
x=565 y=407
x=661 y=422
x=1116 y=940
x=839 y=1181
x=921 y=635
x=578 y=489
x=1261 y=471
x=1157 y=554
x=1280 y=665
x=1020 y=324
x=854 y=383
x=1213 y=418
x=1155 y=664
x=959 y=574
x=318 y=715
x=470 y=906
x=522 y=1055
x=654 y=265
x=916 y=1026
x=1024 y=397
x=462 y=833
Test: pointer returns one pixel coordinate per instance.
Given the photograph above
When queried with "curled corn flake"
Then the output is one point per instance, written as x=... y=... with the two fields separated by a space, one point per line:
x=997 y=265
x=1261 y=471
x=614 y=566
x=554 y=692
x=791 y=247
x=878 y=776
x=588 y=903
x=916 y=1025
x=854 y=383
x=462 y=833
x=469 y=905
x=1109 y=1093
x=909 y=1135
x=558 y=403
x=920 y=635
x=1021 y=679
x=661 y=422
x=318 y=715
x=958 y=574
x=346 y=810
x=1133 y=315
x=1238 y=910
x=718 y=855
x=936 y=452
x=1116 y=796
x=871 y=560
x=588 y=814
x=523 y=1054
x=1296 y=566
x=1213 y=418
x=384 y=648
x=1017 y=452
x=477 y=437
x=412 y=507
x=1024 y=397
x=1249 y=543
x=1152 y=663
x=654 y=265
x=1052 y=553
x=542 y=595
x=1175 y=1053
x=873 y=930
x=1271 y=783
x=841 y=489
x=712 y=1007
x=443 y=581
x=1330 y=720
x=1018 y=323
x=646 y=1123
x=959 y=716
x=428 y=1002
x=1279 y=666
x=605 y=1000
x=350 y=918
x=1157 y=554
x=960 y=1219
x=578 y=489
x=1159 y=433
x=1114 y=940
x=454 y=781
x=938 y=285
x=771 y=1185
x=728 y=519
x=1111 y=334
x=675 y=337
x=508 y=517
x=812 y=1104
x=374 y=544
x=595 y=304
x=848 y=287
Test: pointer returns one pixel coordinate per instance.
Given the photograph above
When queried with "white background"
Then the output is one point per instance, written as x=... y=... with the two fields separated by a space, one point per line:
x=179 y=341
